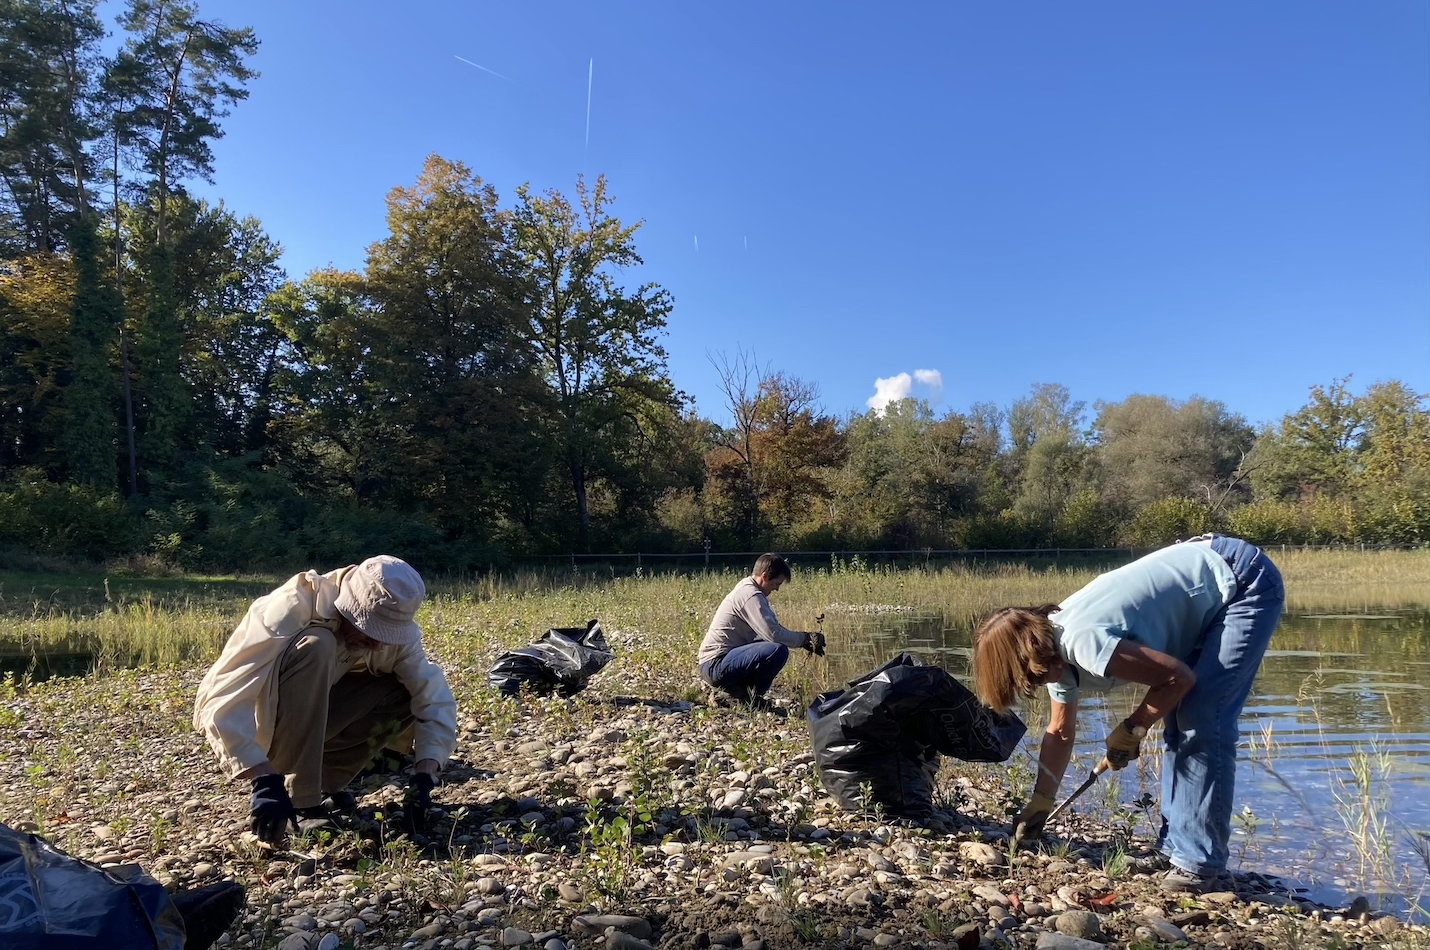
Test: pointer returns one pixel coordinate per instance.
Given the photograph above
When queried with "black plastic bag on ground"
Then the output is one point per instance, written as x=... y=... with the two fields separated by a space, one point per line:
x=561 y=661
x=888 y=728
x=51 y=901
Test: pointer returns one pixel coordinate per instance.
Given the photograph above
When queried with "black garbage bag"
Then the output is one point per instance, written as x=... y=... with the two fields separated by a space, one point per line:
x=561 y=661
x=878 y=741
x=51 y=901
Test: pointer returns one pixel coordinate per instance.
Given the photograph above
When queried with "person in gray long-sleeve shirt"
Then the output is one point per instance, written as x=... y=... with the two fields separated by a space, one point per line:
x=746 y=646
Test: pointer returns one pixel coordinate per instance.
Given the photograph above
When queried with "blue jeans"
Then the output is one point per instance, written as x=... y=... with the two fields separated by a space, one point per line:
x=1199 y=775
x=752 y=667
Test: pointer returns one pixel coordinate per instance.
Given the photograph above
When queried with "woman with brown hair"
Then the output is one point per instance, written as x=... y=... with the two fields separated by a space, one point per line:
x=1190 y=622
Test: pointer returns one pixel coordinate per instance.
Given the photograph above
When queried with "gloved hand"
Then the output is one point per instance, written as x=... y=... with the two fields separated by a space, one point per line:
x=271 y=808
x=1124 y=744
x=418 y=801
x=1030 y=821
x=814 y=643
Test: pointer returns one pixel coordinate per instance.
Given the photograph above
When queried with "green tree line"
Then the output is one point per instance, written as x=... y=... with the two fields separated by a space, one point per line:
x=491 y=384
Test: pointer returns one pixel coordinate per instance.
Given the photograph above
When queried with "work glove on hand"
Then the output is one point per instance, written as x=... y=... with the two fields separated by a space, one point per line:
x=1124 y=744
x=418 y=801
x=271 y=808
x=1030 y=821
x=814 y=643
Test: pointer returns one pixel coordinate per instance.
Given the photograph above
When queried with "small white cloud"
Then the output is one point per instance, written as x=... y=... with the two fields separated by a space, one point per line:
x=889 y=390
x=900 y=386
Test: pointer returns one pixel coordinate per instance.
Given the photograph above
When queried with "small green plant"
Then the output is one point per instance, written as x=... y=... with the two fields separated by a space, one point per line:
x=935 y=924
x=606 y=853
x=1116 y=863
x=806 y=926
x=1246 y=822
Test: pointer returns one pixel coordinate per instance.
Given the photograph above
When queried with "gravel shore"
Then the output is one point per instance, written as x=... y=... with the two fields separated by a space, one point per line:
x=611 y=821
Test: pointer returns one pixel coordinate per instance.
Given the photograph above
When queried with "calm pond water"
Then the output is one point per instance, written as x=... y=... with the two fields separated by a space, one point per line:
x=1333 y=780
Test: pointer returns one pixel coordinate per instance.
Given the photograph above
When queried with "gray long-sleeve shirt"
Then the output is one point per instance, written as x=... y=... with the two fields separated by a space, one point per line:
x=743 y=617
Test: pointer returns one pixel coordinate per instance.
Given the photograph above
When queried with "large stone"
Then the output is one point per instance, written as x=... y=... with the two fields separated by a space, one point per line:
x=1192 y=918
x=1079 y=923
x=515 y=937
x=592 y=924
x=992 y=895
x=984 y=854
x=329 y=942
x=755 y=860
x=296 y=942
x=1165 y=929
x=620 y=940
x=1047 y=940
x=733 y=798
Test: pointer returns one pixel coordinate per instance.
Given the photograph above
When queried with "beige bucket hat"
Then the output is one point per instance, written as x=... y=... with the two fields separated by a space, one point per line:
x=380 y=597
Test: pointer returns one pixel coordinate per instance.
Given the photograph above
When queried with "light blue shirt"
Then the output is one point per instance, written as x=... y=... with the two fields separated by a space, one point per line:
x=1165 y=601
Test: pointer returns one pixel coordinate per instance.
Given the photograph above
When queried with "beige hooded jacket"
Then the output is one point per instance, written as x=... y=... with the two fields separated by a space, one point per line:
x=237 y=704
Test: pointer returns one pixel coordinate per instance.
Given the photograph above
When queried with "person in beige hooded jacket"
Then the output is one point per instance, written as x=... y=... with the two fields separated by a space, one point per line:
x=318 y=678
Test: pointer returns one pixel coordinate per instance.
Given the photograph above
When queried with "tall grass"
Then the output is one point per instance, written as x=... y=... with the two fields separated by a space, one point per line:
x=660 y=616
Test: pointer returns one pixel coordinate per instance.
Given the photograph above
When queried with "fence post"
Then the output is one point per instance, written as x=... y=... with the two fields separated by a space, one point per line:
x=638 y=561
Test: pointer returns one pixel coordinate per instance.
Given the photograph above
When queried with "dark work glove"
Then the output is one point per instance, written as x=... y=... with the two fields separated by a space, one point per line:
x=816 y=644
x=418 y=801
x=271 y=808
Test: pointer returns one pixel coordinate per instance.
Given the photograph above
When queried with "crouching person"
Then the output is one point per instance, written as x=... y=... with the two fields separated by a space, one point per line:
x=746 y=647
x=320 y=676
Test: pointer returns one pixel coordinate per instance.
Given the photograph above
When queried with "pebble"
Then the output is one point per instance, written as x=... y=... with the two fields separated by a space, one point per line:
x=301 y=922
x=555 y=943
x=515 y=937
x=885 y=940
x=569 y=892
x=329 y=942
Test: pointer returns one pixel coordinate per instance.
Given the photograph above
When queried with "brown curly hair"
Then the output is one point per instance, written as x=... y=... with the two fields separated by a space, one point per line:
x=1013 y=651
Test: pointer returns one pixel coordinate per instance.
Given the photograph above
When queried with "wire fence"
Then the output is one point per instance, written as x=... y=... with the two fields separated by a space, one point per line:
x=644 y=561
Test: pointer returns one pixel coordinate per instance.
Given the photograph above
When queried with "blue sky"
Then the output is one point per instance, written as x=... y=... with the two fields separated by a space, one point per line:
x=1227 y=199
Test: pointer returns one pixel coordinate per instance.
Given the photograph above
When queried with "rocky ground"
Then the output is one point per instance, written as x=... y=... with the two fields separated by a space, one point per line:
x=611 y=821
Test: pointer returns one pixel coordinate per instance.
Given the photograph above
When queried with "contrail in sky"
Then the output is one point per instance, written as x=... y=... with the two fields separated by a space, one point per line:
x=590 y=74
x=483 y=68
x=697 y=243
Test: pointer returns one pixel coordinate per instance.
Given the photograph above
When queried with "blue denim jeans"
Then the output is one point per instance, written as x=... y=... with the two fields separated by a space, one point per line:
x=750 y=668
x=1199 y=771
